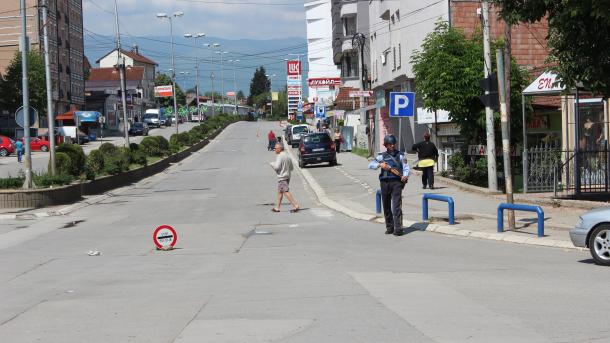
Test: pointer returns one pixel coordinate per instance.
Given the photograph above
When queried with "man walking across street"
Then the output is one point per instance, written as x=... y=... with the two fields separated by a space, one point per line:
x=283 y=167
x=19 y=149
x=272 y=140
x=393 y=177
x=427 y=153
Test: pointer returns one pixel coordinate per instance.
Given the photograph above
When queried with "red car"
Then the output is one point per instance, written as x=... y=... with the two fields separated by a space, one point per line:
x=6 y=146
x=39 y=144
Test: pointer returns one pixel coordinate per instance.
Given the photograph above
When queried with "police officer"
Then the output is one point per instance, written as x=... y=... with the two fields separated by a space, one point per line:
x=393 y=177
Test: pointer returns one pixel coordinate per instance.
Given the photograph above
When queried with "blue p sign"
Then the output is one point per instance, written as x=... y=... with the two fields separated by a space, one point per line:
x=402 y=104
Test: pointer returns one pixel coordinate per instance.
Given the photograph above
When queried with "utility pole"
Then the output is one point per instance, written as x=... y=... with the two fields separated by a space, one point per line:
x=121 y=66
x=213 y=103
x=195 y=37
x=47 y=72
x=489 y=115
x=359 y=40
x=26 y=99
x=171 y=30
x=508 y=177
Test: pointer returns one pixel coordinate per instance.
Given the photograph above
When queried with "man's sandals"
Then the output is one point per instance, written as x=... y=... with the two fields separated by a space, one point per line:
x=294 y=210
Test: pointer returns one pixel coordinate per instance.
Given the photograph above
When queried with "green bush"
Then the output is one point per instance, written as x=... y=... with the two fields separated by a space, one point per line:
x=11 y=182
x=108 y=148
x=163 y=144
x=46 y=180
x=63 y=164
x=118 y=162
x=139 y=157
x=174 y=148
x=77 y=157
x=473 y=173
x=150 y=145
x=95 y=164
x=134 y=146
x=179 y=139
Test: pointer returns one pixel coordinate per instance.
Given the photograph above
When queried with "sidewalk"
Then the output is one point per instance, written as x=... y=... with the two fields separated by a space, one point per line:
x=351 y=187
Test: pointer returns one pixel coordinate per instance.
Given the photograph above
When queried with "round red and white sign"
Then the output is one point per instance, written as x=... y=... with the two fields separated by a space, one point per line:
x=165 y=237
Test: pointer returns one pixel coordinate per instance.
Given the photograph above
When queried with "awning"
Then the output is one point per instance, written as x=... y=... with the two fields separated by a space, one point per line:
x=88 y=116
x=65 y=116
x=545 y=84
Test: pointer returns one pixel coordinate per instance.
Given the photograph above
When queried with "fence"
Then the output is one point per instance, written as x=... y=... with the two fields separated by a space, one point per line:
x=542 y=161
x=583 y=174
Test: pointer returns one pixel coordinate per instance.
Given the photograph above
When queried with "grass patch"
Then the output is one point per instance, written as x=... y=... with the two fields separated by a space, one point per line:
x=153 y=159
x=360 y=152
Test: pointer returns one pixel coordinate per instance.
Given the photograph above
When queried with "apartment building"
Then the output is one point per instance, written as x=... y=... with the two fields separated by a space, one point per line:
x=66 y=47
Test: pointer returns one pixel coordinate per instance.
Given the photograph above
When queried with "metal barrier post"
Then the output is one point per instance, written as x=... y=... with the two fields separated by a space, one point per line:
x=378 y=201
x=424 y=206
x=519 y=207
x=439 y=197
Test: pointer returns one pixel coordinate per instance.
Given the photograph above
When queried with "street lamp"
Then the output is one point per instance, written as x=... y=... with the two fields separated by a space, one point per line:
x=212 y=76
x=222 y=77
x=271 y=89
x=234 y=62
x=171 y=29
x=195 y=37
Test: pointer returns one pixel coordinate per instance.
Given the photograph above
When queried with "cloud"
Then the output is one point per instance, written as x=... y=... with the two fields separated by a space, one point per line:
x=137 y=18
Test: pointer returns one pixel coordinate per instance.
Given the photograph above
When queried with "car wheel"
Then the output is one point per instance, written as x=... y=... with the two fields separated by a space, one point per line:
x=599 y=244
x=3 y=152
x=301 y=163
x=44 y=148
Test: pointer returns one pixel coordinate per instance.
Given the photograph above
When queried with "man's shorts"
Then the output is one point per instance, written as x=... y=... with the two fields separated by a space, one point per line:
x=282 y=186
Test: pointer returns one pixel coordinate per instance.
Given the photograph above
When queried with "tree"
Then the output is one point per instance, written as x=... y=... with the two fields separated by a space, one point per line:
x=447 y=73
x=578 y=39
x=164 y=80
x=240 y=95
x=11 y=90
x=260 y=84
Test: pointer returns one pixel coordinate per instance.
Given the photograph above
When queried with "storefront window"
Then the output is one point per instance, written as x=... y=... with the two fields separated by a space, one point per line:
x=591 y=126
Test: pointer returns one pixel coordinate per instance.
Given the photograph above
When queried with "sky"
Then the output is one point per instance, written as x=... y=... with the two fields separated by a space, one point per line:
x=282 y=21
x=231 y=19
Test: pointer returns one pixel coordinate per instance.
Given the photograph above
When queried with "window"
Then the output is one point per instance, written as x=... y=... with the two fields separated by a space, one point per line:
x=399 y=56
x=394 y=58
x=349 y=67
x=349 y=26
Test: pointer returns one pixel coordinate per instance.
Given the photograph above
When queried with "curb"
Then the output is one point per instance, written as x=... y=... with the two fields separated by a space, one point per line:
x=441 y=229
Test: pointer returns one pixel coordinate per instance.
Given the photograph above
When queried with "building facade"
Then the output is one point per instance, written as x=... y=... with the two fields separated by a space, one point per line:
x=66 y=47
x=322 y=70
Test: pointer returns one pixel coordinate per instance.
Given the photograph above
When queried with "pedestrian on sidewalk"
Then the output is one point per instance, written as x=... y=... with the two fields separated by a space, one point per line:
x=393 y=177
x=318 y=126
x=338 y=138
x=283 y=167
x=272 y=140
x=19 y=149
x=427 y=153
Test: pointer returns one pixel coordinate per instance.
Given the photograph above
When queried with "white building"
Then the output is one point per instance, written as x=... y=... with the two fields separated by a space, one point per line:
x=322 y=70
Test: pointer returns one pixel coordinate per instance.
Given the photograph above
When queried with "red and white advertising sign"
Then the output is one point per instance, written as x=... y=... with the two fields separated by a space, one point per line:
x=164 y=91
x=547 y=83
x=357 y=94
x=230 y=93
x=294 y=92
x=324 y=82
x=165 y=237
x=294 y=68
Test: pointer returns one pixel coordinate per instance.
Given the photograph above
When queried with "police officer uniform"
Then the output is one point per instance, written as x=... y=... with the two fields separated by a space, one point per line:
x=392 y=185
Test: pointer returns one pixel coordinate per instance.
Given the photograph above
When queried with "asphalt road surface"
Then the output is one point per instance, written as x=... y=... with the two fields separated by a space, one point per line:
x=241 y=273
x=40 y=160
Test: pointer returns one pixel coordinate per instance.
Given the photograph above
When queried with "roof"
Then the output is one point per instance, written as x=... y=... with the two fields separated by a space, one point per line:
x=133 y=55
x=347 y=103
x=112 y=74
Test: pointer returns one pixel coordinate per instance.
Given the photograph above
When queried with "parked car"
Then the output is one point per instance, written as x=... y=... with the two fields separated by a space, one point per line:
x=82 y=137
x=138 y=129
x=180 y=119
x=38 y=144
x=593 y=231
x=317 y=148
x=7 y=147
x=295 y=134
x=165 y=120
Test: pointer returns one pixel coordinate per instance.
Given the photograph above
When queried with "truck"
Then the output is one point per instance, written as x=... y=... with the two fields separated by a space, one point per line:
x=152 y=117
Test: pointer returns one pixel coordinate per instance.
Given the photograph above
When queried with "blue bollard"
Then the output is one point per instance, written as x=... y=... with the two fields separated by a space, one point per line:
x=378 y=202
x=438 y=197
x=520 y=207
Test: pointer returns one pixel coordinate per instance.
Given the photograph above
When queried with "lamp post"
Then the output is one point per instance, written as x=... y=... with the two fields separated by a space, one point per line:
x=186 y=74
x=26 y=98
x=212 y=76
x=271 y=91
x=222 y=78
x=195 y=37
x=171 y=29
x=234 y=62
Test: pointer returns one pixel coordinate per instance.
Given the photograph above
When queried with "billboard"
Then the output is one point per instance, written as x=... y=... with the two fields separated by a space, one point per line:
x=294 y=68
x=324 y=82
x=164 y=91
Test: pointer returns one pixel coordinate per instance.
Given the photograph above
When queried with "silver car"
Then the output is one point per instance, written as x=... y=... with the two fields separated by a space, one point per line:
x=593 y=231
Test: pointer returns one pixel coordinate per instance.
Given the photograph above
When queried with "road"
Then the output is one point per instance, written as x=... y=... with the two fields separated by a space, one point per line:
x=241 y=273
x=40 y=160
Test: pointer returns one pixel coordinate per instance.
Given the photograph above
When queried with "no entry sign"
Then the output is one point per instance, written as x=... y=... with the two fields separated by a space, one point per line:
x=165 y=237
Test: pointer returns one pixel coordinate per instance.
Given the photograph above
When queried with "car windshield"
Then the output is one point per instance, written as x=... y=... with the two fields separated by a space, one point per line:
x=317 y=138
x=150 y=115
x=299 y=129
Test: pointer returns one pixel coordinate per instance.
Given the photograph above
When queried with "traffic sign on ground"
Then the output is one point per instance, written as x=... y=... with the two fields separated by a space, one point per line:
x=165 y=237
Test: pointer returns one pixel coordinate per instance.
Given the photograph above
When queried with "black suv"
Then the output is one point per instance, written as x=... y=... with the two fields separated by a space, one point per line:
x=317 y=148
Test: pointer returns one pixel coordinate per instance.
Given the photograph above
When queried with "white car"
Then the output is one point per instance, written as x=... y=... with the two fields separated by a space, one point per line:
x=593 y=231
x=295 y=134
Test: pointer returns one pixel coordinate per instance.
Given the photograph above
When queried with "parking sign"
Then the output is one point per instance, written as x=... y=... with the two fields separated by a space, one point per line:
x=402 y=104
